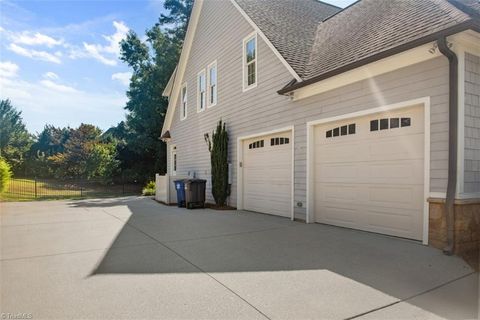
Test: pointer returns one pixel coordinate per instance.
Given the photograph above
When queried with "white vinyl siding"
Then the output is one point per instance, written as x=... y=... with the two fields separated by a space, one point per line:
x=212 y=84
x=201 y=91
x=183 y=103
x=250 y=62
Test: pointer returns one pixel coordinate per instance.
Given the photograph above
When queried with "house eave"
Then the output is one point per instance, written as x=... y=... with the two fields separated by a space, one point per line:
x=288 y=89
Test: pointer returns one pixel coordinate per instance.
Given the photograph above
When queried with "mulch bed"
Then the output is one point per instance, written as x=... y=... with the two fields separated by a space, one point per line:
x=220 y=208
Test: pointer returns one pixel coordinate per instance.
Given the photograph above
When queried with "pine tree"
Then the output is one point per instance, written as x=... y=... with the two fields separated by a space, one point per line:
x=218 y=147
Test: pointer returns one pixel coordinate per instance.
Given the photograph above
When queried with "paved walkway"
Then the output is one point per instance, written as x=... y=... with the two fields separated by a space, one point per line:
x=134 y=258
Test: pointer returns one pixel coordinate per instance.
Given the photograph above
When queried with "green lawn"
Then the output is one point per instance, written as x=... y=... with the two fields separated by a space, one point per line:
x=28 y=190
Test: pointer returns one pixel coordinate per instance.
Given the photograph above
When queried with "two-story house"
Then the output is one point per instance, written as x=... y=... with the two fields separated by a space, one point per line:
x=366 y=117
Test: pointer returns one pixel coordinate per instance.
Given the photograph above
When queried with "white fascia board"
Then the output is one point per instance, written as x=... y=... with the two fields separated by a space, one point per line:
x=469 y=40
x=267 y=41
x=395 y=62
x=182 y=64
x=168 y=88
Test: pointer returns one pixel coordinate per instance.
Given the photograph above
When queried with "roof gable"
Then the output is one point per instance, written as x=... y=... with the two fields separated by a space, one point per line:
x=290 y=25
x=317 y=39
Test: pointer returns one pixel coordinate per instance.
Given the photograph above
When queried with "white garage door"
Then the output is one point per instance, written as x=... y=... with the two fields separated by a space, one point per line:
x=369 y=173
x=267 y=174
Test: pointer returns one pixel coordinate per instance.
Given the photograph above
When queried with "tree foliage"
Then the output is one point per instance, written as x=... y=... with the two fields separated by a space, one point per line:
x=15 y=140
x=85 y=156
x=5 y=174
x=179 y=16
x=50 y=141
x=152 y=62
x=218 y=147
x=133 y=146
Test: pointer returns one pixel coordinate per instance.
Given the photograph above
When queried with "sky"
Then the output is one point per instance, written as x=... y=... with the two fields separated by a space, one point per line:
x=59 y=60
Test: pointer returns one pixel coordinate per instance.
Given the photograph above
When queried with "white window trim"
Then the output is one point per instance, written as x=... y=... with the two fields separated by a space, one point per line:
x=173 y=153
x=244 y=60
x=210 y=66
x=198 y=91
x=183 y=116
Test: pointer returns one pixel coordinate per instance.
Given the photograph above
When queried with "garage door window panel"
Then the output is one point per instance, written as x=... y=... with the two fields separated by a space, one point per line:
x=256 y=144
x=341 y=131
x=383 y=124
x=406 y=122
x=394 y=123
x=279 y=141
x=351 y=128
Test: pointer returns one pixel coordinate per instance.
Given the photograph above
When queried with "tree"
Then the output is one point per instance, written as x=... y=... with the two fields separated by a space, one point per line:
x=73 y=161
x=50 y=141
x=178 y=16
x=15 y=140
x=152 y=61
x=218 y=147
x=101 y=162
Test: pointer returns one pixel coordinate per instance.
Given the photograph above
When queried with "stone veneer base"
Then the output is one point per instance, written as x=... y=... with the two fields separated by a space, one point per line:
x=467 y=228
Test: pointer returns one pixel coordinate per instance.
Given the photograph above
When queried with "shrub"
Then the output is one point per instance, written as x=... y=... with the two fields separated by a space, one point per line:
x=5 y=175
x=218 y=147
x=149 y=189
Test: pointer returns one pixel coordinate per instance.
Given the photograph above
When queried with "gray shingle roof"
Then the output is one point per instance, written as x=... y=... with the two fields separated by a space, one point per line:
x=316 y=38
x=290 y=25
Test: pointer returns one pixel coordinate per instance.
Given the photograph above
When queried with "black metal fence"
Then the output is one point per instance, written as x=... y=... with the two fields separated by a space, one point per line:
x=34 y=188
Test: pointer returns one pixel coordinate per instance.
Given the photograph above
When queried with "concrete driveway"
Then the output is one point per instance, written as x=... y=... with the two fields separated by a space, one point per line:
x=135 y=258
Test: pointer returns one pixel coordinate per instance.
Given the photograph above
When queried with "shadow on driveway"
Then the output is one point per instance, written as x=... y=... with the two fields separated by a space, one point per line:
x=235 y=247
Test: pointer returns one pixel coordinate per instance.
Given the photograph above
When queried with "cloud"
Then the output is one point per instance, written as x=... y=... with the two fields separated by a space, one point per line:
x=93 y=51
x=57 y=87
x=34 y=54
x=36 y=39
x=42 y=103
x=114 y=40
x=51 y=75
x=8 y=69
x=122 y=77
x=106 y=54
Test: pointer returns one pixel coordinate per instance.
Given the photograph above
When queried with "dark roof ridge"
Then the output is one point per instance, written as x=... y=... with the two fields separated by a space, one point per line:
x=327 y=4
x=448 y=2
x=465 y=8
x=342 y=10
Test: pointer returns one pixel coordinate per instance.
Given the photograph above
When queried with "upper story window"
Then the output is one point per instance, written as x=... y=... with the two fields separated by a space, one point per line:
x=212 y=84
x=250 y=62
x=201 y=91
x=183 y=109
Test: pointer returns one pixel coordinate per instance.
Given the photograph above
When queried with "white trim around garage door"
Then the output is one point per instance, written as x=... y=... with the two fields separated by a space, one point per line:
x=240 y=164
x=425 y=101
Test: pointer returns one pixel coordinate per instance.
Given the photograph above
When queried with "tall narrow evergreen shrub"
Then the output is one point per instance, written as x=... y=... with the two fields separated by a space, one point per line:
x=218 y=147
